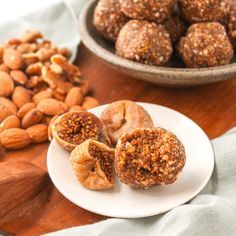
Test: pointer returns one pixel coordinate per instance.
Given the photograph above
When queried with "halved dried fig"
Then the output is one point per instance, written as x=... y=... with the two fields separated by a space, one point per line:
x=73 y=128
x=93 y=165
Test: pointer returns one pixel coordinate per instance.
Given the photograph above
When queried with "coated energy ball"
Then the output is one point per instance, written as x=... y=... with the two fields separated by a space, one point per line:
x=108 y=18
x=144 y=42
x=202 y=10
x=176 y=27
x=232 y=24
x=206 y=45
x=147 y=157
x=155 y=10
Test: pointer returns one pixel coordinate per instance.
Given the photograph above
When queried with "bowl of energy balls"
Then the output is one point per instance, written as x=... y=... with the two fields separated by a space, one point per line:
x=178 y=43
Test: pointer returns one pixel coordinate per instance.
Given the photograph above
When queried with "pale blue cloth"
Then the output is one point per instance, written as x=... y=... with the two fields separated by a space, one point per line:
x=211 y=213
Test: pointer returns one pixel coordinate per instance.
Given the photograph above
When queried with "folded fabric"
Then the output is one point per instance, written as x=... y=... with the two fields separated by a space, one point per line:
x=212 y=212
x=57 y=21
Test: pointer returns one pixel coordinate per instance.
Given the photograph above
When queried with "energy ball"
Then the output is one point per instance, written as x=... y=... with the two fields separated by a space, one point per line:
x=144 y=42
x=232 y=24
x=148 y=157
x=206 y=45
x=124 y=116
x=108 y=19
x=201 y=10
x=176 y=27
x=155 y=10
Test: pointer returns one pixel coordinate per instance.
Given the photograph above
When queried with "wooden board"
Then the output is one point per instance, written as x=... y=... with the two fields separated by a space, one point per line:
x=213 y=107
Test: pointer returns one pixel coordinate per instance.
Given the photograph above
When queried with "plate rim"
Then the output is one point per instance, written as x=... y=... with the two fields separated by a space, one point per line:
x=130 y=216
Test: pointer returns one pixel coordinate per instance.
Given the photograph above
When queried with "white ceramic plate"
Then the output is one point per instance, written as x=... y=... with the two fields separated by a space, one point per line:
x=125 y=202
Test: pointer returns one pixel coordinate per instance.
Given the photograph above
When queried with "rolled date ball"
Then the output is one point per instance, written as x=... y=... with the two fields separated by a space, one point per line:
x=147 y=157
x=201 y=10
x=232 y=24
x=144 y=42
x=155 y=10
x=206 y=45
x=108 y=18
x=176 y=27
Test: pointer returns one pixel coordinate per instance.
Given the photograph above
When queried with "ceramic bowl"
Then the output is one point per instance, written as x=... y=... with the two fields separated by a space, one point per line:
x=171 y=75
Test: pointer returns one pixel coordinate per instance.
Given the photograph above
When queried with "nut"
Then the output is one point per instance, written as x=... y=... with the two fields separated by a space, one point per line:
x=15 y=138
x=6 y=84
x=34 y=69
x=31 y=36
x=51 y=107
x=13 y=59
x=38 y=133
x=19 y=76
x=74 y=97
x=7 y=108
x=41 y=95
x=4 y=67
x=20 y=96
x=25 y=108
x=32 y=117
x=89 y=102
x=11 y=121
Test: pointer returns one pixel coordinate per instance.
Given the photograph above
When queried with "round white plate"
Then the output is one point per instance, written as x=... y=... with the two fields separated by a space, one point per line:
x=125 y=202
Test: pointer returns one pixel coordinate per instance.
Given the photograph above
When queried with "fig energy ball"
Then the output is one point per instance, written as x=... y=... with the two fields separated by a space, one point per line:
x=108 y=18
x=147 y=157
x=201 y=10
x=232 y=24
x=144 y=42
x=155 y=10
x=206 y=45
x=176 y=27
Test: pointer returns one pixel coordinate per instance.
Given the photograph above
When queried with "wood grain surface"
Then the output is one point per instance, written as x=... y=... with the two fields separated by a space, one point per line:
x=213 y=107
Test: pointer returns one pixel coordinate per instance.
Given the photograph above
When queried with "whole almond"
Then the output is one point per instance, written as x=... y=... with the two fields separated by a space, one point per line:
x=5 y=68
x=38 y=133
x=85 y=87
x=74 y=97
x=19 y=76
x=13 y=58
x=58 y=96
x=6 y=84
x=15 y=138
x=32 y=117
x=25 y=108
x=20 y=96
x=89 y=102
x=7 y=108
x=76 y=108
x=51 y=107
x=50 y=137
x=11 y=121
x=41 y=95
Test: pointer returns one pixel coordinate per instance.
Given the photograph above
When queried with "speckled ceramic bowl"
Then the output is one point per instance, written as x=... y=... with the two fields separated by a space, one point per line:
x=172 y=75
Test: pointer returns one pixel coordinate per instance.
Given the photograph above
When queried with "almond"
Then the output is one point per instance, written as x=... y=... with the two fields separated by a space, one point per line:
x=11 y=121
x=51 y=107
x=19 y=76
x=6 y=84
x=74 y=97
x=58 y=96
x=15 y=138
x=7 y=108
x=4 y=67
x=50 y=137
x=89 y=102
x=46 y=120
x=13 y=58
x=32 y=117
x=20 y=96
x=41 y=95
x=85 y=87
x=38 y=133
x=25 y=108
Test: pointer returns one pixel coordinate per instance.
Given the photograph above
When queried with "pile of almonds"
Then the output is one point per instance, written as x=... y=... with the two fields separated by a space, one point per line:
x=37 y=84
